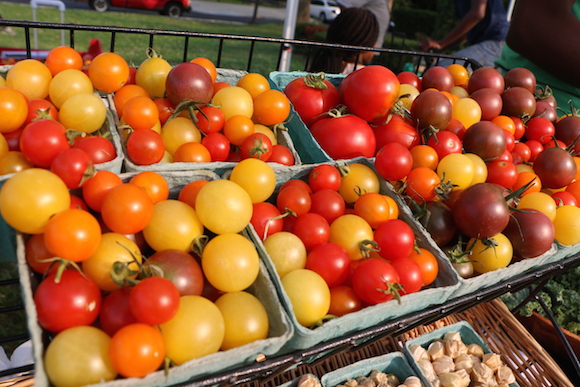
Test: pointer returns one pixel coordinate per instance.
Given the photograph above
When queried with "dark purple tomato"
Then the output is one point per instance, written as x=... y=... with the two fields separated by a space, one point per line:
x=180 y=268
x=188 y=82
x=555 y=167
x=518 y=102
x=438 y=221
x=531 y=233
x=544 y=109
x=520 y=76
x=480 y=211
x=486 y=77
x=568 y=129
x=490 y=102
x=486 y=139
x=437 y=77
x=431 y=108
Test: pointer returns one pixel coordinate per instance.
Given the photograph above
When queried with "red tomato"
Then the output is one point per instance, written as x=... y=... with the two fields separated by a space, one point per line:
x=395 y=239
x=410 y=78
x=218 y=146
x=445 y=143
x=73 y=300
x=266 y=219
x=97 y=186
x=154 y=300
x=210 y=119
x=42 y=140
x=410 y=275
x=540 y=129
x=375 y=281
x=295 y=199
x=99 y=149
x=145 y=147
x=370 y=92
x=115 y=312
x=502 y=172
x=73 y=166
x=345 y=137
x=281 y=155
x=393 y=161
x=396 y=130
x=331 y=261
x=312 y=96
x=256 y=145
x=328 y=203
x=40 y=108
x=312 y=228
x=324 y=176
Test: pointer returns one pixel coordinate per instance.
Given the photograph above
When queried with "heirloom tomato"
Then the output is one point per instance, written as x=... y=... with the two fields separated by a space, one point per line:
x=188 y=81
x=531 y=233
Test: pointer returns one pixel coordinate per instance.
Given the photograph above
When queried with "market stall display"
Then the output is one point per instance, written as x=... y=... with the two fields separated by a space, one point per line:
x=301 y=341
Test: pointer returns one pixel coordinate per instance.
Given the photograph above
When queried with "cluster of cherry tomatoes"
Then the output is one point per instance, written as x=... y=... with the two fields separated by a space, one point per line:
x=482 y=158
x=53 y=119
x=182 y=113
x=337 y=243
x=134 y=275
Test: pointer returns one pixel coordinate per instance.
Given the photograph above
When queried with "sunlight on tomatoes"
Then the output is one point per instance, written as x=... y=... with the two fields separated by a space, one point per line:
x=79 y=356
x=245 y=318
x=31 y=197
x=223 y=206
x=309 y=295
x=173 y=225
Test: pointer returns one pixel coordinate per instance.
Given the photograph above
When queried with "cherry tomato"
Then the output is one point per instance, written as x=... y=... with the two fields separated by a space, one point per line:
x=343 y=300
x=79 y=356
x=137 y=350
x=486 y=259
x=108 y=72
x=309 y=295
x=331 y=261
x=428 y=264
x=312 y=228
x=245 y=319
x=69 y=301
x=410 y=274
x=154 y=300
x=373 y=281
x=126 y=208
x=286 y=251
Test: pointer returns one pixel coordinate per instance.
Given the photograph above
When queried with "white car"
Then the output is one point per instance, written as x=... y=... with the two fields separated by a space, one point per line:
x=325 y=10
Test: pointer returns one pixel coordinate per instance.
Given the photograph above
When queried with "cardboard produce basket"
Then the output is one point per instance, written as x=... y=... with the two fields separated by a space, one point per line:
x=306 y=153
x=437 y=293
x=280 y=328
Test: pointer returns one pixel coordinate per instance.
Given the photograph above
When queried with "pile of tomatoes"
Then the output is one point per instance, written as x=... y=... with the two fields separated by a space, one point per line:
x=482 y=158
x=337 y=243
x=53 y=119
x=133 y=276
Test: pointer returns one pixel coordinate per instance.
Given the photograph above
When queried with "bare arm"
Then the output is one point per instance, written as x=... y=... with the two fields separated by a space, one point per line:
x=458 y=34
x=546 y=32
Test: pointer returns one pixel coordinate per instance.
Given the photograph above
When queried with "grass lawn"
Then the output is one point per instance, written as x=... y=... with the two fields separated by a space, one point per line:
x=133 y=47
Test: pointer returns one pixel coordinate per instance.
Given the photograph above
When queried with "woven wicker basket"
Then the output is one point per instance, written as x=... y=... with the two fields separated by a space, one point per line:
x=504 y=334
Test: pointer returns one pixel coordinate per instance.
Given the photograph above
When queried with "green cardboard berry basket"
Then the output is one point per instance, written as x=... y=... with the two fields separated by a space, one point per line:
x=280 y=328
x=437 y=293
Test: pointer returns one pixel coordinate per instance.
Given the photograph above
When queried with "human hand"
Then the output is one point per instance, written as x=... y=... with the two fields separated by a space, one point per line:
x=429 y=44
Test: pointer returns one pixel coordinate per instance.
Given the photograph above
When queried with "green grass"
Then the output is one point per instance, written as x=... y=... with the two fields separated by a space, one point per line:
x=133 y=47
